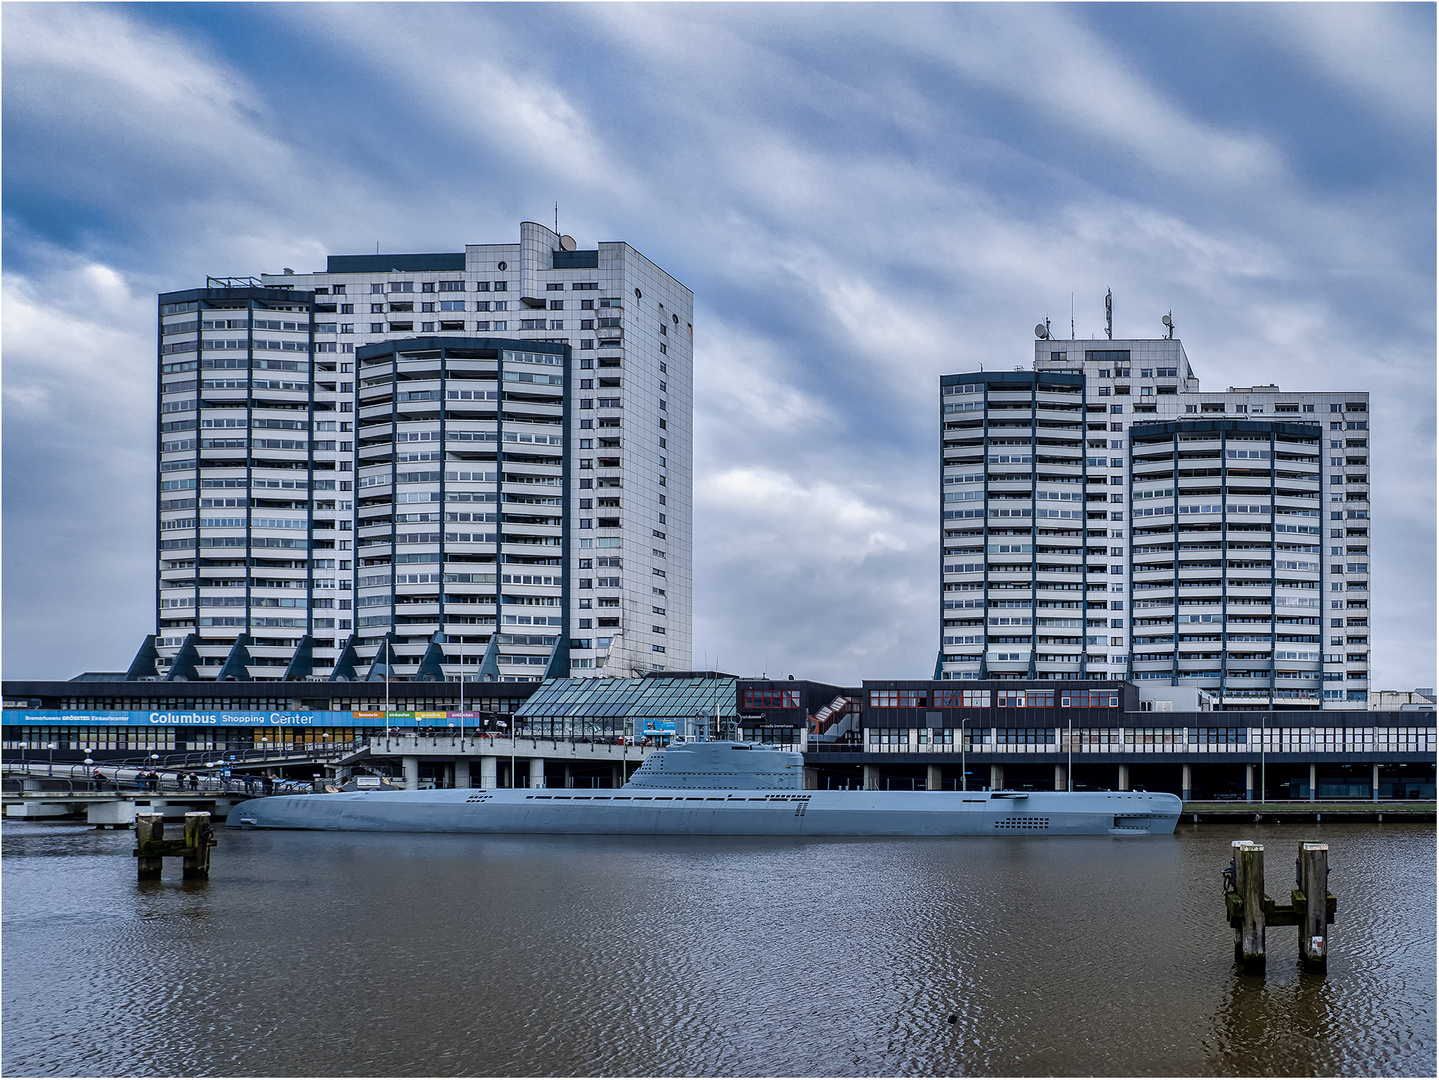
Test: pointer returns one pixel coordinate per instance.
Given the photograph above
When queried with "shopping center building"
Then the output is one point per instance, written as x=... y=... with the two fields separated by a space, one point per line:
x=926 y=734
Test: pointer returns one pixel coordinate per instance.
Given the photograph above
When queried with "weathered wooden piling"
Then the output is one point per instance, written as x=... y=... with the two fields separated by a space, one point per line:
x=1251 y=891
x=199 y=839
x=1312 y=899
x=151 y=847
x=1249 y=909
x=149 y=834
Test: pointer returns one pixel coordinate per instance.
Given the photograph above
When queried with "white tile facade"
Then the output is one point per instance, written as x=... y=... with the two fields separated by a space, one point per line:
x=401 y=462
x=1101 y=517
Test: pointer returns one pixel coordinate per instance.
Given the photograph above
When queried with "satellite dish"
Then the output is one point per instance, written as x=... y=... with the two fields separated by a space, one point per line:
x=1167 y=321
x=1040 y=331
x=567 y=243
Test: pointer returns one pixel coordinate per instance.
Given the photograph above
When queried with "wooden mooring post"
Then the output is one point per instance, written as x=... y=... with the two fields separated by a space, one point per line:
x=151 y=847
x=1249 y=909
x=149 y=831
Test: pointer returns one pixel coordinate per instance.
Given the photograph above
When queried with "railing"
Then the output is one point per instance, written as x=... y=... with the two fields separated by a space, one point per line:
x=489 y=743
x=17 y=783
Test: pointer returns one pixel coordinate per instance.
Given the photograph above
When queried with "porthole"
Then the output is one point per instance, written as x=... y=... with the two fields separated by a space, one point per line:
x=503 y=266
x=676 y=318
x=638 y=294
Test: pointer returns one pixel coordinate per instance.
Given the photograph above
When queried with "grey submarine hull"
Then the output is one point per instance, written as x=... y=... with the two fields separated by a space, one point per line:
x=720 y=812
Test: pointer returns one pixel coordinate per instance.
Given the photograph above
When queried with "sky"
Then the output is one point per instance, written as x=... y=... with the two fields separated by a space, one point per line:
x=862 y=197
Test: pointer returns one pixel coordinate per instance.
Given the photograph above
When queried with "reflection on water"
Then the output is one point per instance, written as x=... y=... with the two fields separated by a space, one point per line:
x=365 y=954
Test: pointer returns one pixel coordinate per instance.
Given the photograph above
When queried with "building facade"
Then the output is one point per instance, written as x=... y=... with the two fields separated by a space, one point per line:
x=1102 y=518
x=432 y=464
x=883 y=734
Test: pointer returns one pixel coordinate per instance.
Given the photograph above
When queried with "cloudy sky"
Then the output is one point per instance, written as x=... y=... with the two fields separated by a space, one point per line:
x=861 y=197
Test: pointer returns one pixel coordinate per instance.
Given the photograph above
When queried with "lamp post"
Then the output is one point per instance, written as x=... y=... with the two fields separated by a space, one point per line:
x=963 y=758
x=1263 y=741
x=1069 y=769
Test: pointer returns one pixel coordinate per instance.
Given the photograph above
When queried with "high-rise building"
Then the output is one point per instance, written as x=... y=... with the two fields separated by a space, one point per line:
x=1102 y=518
x=482 y=457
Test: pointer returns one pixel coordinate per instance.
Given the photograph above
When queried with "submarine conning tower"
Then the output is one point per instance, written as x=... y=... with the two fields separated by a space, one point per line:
x=712 y=766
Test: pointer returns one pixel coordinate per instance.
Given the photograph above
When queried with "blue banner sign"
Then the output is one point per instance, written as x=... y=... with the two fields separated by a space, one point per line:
x=195 y=718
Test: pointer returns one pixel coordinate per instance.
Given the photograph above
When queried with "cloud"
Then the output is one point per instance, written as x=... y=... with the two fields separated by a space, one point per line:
x=79 y=436
x=862 y=198
x=1384 y=53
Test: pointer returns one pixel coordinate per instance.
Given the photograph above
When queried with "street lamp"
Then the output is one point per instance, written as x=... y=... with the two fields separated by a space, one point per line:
x=963 y=766
x=1069 y=769
x=1263 y=740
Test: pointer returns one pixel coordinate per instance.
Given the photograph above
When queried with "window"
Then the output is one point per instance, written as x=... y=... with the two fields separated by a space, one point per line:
x=557 y=305
x=771 y=699
x=554 y=286
x=1026 y=699
x=897 y=699
x=1089 y=699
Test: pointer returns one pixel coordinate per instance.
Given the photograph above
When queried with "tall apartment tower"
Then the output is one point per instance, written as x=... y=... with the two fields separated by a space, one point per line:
x=1101 y=517
x=482 y=457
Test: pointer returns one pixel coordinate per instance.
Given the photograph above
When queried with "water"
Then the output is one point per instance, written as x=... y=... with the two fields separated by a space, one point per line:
x=313 y=954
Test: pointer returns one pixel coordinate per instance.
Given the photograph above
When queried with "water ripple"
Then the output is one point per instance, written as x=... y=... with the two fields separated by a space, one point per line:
x=361 y=955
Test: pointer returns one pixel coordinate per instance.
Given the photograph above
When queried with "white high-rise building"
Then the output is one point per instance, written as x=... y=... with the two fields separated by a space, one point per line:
x=484 y=456
x=1104 y=518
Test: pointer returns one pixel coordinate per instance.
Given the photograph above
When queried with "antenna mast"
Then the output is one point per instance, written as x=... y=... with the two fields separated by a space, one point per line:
x=1071 y=315
x=1109 y=314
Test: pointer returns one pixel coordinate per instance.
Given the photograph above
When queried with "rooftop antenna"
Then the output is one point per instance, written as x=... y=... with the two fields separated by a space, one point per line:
x=1168 y=321
x=1071 y=315
x=1041 y=330
x=1109 y=314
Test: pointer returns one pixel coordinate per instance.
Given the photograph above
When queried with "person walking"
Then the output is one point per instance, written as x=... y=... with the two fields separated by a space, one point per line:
x=194 y=781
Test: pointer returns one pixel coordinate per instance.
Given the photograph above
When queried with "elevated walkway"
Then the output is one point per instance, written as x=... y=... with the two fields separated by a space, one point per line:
x=481 y=746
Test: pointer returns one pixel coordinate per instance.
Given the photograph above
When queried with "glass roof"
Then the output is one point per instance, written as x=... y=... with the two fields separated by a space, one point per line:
x=655 y=697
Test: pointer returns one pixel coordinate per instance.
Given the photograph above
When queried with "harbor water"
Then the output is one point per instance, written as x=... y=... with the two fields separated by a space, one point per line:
x=344 y=954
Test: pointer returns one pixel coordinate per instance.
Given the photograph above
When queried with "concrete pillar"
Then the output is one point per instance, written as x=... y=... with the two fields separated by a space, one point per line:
x=871 y=778
x=1186 y=783
x=1249 y=783
x=462 y=772
x=1313 y=779
x=934 y=779
x=1124 y=778
x=412 y=773
x=537 y=772
x=1374 y=784
x=996 y=777
x=1061 y=779
x=569 y=775
x=489 y=778
x=811 y=778
x=615 y=775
